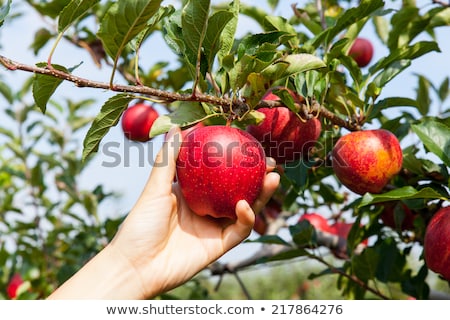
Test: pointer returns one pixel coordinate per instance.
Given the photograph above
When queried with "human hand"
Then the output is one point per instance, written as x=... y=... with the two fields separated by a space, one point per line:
x=165 y=241
x=162 y=243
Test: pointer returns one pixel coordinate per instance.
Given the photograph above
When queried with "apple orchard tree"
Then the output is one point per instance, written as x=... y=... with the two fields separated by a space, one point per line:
x=50 y=225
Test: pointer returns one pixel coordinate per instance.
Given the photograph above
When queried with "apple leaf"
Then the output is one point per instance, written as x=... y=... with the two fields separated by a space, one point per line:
x=194 y=22
x=403 y=193
x=349 y=17
x=269 y=239
x=281 y=24
x=436 y=138
x=74 y=10
x=108 y=117
x=4 y=11
x=213 y=37
x=409 y=52
x=292 y=64
x=44 y=86
x=186 y=114
x=123 y=21
x=229 y=31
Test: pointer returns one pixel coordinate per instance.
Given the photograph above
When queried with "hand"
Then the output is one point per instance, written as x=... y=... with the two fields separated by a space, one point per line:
x=162 y=243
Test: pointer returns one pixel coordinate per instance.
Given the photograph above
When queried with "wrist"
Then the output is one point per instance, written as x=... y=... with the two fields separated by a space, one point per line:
x=108 y=275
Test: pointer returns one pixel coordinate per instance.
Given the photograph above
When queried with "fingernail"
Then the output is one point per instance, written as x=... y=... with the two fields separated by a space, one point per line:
x=271 y=162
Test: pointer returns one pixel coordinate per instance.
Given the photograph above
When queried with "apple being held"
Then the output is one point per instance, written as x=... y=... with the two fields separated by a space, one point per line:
x=317 y=221
x=361 y=51
x=284 y=136
x=217 y=166
x=268 y=214
x=13 y=286
x=437 y=243
x=137 y=120
x=365 y=161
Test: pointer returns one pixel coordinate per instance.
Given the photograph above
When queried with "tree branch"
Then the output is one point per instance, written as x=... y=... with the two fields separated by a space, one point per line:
x=238 y=106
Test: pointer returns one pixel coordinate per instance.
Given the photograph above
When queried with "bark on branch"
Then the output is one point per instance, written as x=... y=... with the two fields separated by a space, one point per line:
x=237 y=106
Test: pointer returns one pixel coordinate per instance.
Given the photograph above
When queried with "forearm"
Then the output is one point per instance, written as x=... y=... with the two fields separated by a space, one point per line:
x=106 y=276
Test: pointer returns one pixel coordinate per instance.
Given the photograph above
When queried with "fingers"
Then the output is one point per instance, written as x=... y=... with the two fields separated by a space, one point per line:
x=164 y=168
x=241 y=228
x=270 y=185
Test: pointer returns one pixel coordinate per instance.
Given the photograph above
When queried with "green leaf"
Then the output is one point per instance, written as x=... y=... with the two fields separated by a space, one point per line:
x=269 y=239
x=41 y=37
x=381 y=27
x=123 y=21
x=436 y=138
x=213 y=38
x=292 y=64
x=108 y=117
x=229 y=31
x=351 y=16
x=186 y=114
x=194 y=21
x=423 y=95
x=4 y=11
x=403 y=193
x=281 y=24
x=6 y=91
x=444 y=89
x=411 y=52
x=44 y=86
x=73 y=11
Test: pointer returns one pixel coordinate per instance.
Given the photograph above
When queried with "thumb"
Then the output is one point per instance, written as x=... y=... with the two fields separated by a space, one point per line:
x=164 y=167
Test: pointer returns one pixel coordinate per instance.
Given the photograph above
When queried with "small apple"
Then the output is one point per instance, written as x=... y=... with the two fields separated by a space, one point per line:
x=342 y=230
x=284 y=136
x=13 y=285
x=437 y=243
x=365 y=161
x=394 y=211
x=137 y=120
x=317 y=221
x=361 y=51
x=217 y=166
x=269 y=213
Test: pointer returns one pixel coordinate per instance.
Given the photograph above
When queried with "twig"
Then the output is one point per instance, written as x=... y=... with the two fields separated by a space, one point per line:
x=238 y=106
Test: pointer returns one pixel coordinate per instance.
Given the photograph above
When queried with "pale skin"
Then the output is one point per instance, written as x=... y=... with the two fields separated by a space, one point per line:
x=162 y=243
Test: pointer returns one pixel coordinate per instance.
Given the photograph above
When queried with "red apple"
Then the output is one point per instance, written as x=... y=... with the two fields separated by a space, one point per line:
x=269 y=213
x=395 y=210
x=361 y=51
x=217 y=166
x=137 y=120
x=284 y=136
x=317 y=221
x=13 y=286
x=342 y=229
x=437 y=243
x=365 y=161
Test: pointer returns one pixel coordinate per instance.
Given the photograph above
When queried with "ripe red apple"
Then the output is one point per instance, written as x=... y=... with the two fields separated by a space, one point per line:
x=361 y=51
x=284 y=136
x=269 y=213
x=391 y=209
x=137 y=120
x=317 y=221
x=217 y=166
x=365 y=161
x=342 y=229
x=437 y=243
x=13 y=286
